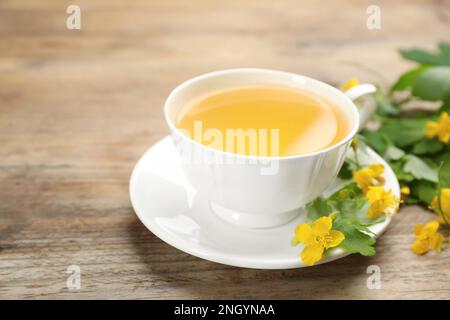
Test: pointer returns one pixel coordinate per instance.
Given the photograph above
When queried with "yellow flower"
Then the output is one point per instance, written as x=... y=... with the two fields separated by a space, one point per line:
x=427 y=237
x=442 y=208
x=352 y=82
x=381 y=201
x=405 y=191
x=369 y=176
x=317 y=237
x=441 y=129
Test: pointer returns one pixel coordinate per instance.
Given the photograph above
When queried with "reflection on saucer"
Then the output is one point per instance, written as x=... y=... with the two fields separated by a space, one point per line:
x=180 y=224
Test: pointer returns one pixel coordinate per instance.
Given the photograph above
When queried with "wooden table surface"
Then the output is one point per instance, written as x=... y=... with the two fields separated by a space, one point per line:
x=79 y=107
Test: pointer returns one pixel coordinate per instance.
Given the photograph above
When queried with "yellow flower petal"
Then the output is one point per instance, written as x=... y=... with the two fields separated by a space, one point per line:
x=322 y=226
x=405 y=191
x=442 y=220
x=311 y=254
x=420 y=246
x=431 y=129
x=367 y=176
x=418 y=229
x=445 y=201
x=430 y=228
x=441 y=129
x=334 y=238
x=434 y=205
x=363 y=178
x=427 y=236
x=375 y=194
x=444 y=137
x=381 y=201
x=375 y=210
x=304 y=233
x=377 y=169
x=380 y=179
x=437 y=241
x=444 y=130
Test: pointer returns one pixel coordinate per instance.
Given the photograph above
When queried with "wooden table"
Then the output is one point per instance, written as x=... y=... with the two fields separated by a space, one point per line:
x=78 y=108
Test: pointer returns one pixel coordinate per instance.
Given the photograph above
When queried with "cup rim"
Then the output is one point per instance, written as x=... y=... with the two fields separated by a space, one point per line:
x=213 y=74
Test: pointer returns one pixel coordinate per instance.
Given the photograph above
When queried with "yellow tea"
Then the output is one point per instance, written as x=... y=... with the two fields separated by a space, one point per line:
x=263 y=121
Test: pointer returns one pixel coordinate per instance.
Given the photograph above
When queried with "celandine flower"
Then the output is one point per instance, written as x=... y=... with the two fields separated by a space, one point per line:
x=442 y=207
x=427 y=237
x=317 y=237
x=381 y=202
x=404 y=192
x=440 y=129
x=369 y=176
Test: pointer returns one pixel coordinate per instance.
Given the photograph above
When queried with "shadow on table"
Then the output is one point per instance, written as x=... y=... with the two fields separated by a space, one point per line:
x=180 y=275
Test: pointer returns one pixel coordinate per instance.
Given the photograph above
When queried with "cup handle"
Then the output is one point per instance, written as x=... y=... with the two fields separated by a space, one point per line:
x=365 y=111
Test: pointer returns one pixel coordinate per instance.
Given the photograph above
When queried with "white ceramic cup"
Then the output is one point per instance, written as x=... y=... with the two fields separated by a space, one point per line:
x=260 y=192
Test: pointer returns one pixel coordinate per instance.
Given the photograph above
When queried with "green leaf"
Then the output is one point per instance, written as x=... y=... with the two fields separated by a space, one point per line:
x=382 y=144
x=407 y=80
x=404 y=132
x=345 y=173
x=445 y=105
x=444 y=173
x=318 y=208
x=433 y=84
x=441 y=58
x=397 y=167
x=356 y=240
x=351 y=204
x=427 y=146
x=411 y=200
x=420 y=169
x=393 y=153
x=376 y=140
x=424 y=190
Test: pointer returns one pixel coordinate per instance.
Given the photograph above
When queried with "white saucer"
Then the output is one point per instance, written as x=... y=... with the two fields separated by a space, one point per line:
x=170 y=208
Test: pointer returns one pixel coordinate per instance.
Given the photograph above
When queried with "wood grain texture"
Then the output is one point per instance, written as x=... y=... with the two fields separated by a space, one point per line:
x=78 y=108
